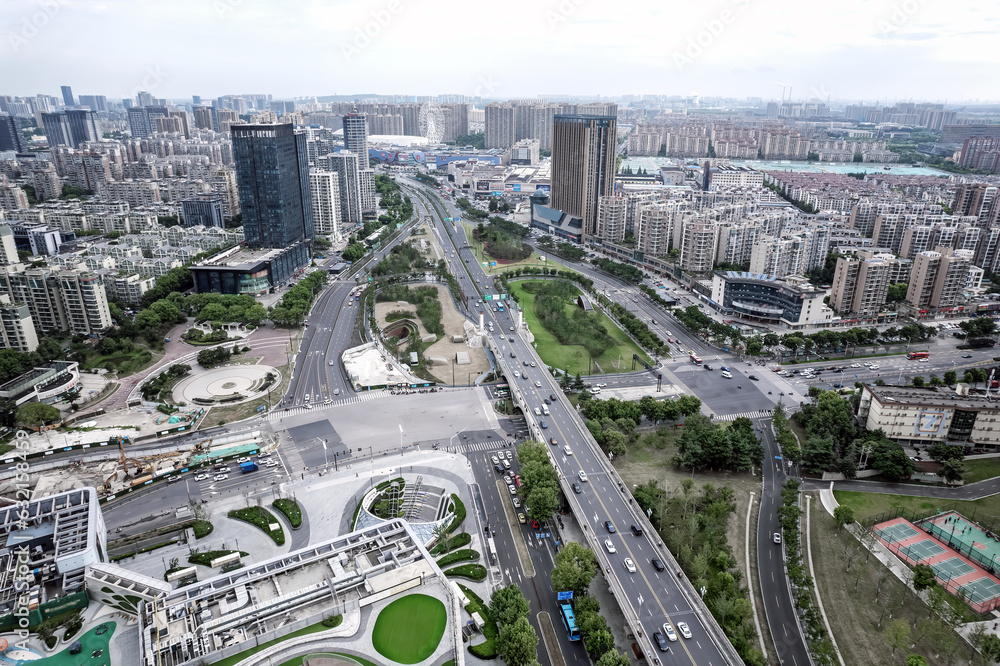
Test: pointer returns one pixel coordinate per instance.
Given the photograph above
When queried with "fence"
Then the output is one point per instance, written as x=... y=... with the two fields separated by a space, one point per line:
x=983 y=559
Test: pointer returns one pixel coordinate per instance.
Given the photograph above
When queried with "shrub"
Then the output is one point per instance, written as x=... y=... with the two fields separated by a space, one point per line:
x=487 y=650
x=475 y=572
x=457 y=541
x=261 y=518
x=458 y=556
x=290 y=508
x=333 y=621
x=203 y=558
x=202 y=528
x=459 y=514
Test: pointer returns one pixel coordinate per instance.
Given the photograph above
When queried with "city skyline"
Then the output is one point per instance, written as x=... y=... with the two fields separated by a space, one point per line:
x=858 y=50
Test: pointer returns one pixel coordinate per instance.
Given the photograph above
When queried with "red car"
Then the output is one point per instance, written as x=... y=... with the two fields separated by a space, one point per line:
x=517 y=480
x=552 y=441
x=535 y=524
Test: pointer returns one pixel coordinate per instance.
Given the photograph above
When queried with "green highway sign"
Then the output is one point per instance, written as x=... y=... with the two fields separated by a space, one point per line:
x=488 y=297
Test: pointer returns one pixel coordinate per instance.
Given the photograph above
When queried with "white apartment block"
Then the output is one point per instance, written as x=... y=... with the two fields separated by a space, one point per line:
x=12 y=197
x=611 y=218
x=654 y=228
x=932 y=414
x=697 y=246
x=366 y=182
x=728 y=176
x=136 y=192
x=346 y=166
x=45 y=180
x=59 y=300
x=128 y=289
x=17 y=330
x=325 y=189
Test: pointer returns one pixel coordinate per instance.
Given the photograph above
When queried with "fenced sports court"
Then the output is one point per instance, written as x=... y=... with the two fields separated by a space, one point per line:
x=963 y=556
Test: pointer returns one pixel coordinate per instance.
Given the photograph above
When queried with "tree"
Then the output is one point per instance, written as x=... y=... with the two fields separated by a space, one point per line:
x=508 y=604
x=574 y=568
x=518 y=643
x=543 y=501
x=36 y=414
x=923 y=577
x=918 y=381
x=890 y=460
x=896 y=293
x=897 y=634
x=941 y=452
x=600 y=642
x=844 y=515
x=613 y=658
x=989 y=646
x=915 y=660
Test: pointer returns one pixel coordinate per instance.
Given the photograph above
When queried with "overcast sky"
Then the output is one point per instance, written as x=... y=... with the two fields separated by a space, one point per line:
x=883 y=50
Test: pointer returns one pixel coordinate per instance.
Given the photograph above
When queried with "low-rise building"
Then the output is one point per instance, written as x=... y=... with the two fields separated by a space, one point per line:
x=790 y=303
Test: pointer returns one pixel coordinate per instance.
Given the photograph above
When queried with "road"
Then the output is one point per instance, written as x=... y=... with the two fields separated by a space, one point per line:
x=648 y=596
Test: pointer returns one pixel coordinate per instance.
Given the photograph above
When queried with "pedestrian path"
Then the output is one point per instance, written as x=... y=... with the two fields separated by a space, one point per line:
x=489 y=445
x=364 y=396
x=759 y=414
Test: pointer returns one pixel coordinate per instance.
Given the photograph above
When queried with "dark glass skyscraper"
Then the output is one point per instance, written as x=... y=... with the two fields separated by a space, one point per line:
x=272 y=172
x=67 y=93
x=71 y=127
x=583 y=164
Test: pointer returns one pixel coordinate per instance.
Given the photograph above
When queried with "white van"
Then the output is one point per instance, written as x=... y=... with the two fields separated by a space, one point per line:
x=545 y=410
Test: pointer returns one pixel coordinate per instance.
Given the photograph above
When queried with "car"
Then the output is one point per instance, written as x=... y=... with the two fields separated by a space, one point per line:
x=524 y=363
x=513 y=355
x=498 y=468
x=657 y=564
x=538 y=411
x=517 y=480
x=521 y=519
x=610 y=526
x=553 y=441
x=610 y=546
x=629 y=565
x=855 y=365
x=552 y=397
x=331 y=363
x=568 y=451
x=636 y=530
x=577 y=488
x=168 y=339
x=546 y=401
x=506 y=463
x=777 y=537
x=510 y=340
x=753 y=378
x=683 y=628
x=336 y=391
x=242 y=460
x=309 y=406
x=538 y=385
x=661 y=642
x=512 y=329
x=966 y=355
x=708 y=367
x=533 y=364
x=669 y=631
x=221 y=477
x=582 y=475
x=724 y=368
x=874 y=366
x=535 y=524
x=543 y=424
x=516 y=502
x=512 y=489
x=727 y=375
x=495 y=460
x=200 y=477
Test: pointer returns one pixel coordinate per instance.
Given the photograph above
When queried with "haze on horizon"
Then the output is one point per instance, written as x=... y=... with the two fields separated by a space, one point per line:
x=871 y=50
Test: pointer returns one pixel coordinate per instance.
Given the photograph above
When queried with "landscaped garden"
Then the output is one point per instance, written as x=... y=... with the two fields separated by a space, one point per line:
x=260 y=517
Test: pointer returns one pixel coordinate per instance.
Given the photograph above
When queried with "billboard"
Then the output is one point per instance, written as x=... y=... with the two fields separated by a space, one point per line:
x=483 y=186
x=543 y=188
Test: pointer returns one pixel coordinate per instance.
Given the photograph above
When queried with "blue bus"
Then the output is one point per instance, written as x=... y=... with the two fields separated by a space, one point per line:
x=569 y=621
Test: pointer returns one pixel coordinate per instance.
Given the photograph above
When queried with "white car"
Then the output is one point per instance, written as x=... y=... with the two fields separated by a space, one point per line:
x=610 y=546
x=538 y=385
x=568 y=451
x=629 y=565
x=669 y=631
x=855 y=365
x=583 y=476
x=683 y=628
x=221 y=477
x=727 y=374
x=200 y=477
x=873 y=366
x=242 y=460
x=496 y=461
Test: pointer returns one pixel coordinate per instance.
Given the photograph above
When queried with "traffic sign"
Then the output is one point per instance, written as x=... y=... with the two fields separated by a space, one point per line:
x=493 y=264
x=564 y=596
x=503 y=297
x=488 y=297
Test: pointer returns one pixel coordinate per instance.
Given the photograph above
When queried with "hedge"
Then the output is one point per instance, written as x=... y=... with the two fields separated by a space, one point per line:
x=458 y=556
x=457 y=541
x=202 y=528
x=291 y=510
x=261 y=518
x=333 y=621
x=488 y=649
x=475 y=572
x=459 y=514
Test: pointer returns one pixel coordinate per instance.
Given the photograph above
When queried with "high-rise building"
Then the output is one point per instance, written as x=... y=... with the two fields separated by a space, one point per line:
x=500 y=125
x=938 y=277
x=272 y=172
x=205 y=209
x=325 y=189
x=979 y=200
x=17 y=329
x=366 y=183
x=981 y=152
x=8 y=247
x=611 y=218
x=62 y=300
x=356 y=136
x=203 y=117
x=654 y=228
x=583 y=165
x=70 y=128
x=45 y=180
x=861 y=285
x=67 y=93
x=345 y=163
x=698 y=241
x=143 y=98
x=95 y=102
x=142 y=120
x=10 y=135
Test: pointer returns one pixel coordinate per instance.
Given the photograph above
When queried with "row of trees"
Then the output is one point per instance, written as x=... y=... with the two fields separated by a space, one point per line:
x=612 y=423
x=637 y=328
x=518 y=642
x=540 y=483
x=707 y=445
x=297 y=300
x=570 y=251
x=502 y=239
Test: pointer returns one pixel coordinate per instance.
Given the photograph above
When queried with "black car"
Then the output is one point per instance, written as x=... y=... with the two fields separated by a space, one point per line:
x=610 y=525
x=707 y=366
x=513 y=355
x=753 y=378
x=661 y=642
x=498 y=468
x=510 y=339
x=636 y=530
x=966 y=355
x=552 y=397
x=577 y=489
x=657 y=564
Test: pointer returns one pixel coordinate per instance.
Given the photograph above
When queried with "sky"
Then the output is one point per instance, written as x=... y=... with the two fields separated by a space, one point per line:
x=853 y=50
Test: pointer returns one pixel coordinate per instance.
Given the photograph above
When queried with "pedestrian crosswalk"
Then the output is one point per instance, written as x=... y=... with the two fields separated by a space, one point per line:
x=759 y=414
x=364 y=396
x=489 y=445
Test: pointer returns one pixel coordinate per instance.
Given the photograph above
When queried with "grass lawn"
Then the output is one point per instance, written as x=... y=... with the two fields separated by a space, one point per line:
x=408 y=630
x=980 y=470
x=575 y=358
x=91 y=642
x=868 y=505
x=477 y=247
x=240 y=656
x=298 y=660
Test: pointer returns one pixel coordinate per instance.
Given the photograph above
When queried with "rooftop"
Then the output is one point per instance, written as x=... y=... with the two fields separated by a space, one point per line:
x=936 y=396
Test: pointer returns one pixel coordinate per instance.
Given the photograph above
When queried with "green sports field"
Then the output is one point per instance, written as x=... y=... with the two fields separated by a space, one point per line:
x=408 y=630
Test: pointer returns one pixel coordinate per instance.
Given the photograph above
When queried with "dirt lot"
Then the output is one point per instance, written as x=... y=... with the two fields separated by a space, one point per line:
x=854 y=602
x=454 y=324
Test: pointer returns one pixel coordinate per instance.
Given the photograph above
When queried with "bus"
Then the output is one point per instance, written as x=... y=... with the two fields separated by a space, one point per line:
x=695 y=359
x=917 y=355
x=569 y=620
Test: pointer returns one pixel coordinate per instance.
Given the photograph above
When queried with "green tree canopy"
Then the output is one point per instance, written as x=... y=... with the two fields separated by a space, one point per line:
x=574 y=568
x=36 y=414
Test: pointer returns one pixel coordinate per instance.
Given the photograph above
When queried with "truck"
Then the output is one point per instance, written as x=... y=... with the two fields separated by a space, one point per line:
x=248 y=466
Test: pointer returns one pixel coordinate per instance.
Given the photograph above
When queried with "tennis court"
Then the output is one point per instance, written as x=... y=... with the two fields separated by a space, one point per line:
x=897 y=532
x=980 y=590
x=952 y=568
x=918 y=551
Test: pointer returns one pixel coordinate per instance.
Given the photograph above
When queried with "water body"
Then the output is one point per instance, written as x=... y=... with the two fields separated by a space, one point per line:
x=653 y=163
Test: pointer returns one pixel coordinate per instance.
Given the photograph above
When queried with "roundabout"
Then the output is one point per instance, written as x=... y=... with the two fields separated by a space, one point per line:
x=228 y=385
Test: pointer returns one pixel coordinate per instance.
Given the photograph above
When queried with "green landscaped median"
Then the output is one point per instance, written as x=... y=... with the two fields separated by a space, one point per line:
x=575 y=359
